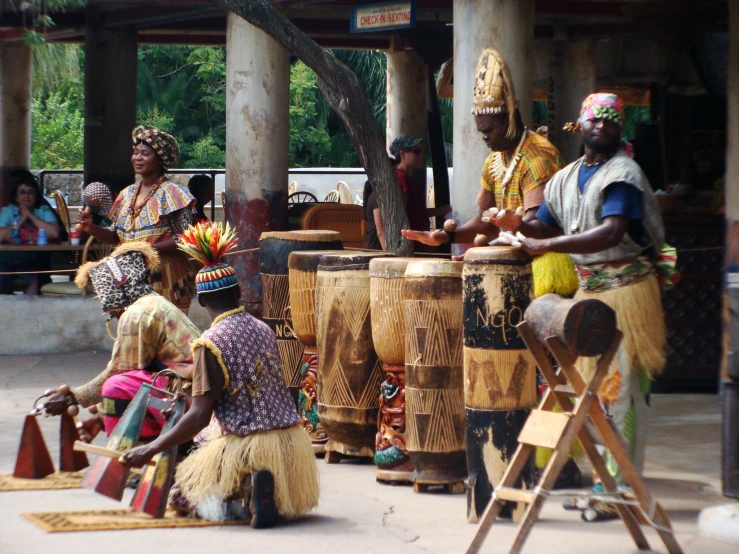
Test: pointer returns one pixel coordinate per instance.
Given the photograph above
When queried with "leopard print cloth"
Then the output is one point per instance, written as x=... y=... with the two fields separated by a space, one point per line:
x=121 y=280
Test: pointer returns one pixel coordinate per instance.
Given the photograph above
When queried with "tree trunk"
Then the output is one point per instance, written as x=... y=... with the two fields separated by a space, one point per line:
x=345 y=95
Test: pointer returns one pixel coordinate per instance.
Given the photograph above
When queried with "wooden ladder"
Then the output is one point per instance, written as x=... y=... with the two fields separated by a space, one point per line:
x=559 y=431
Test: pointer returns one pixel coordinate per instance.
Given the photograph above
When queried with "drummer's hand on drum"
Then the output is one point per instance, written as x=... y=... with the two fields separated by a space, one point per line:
x=536 y=247
x=432 y=238
x=508 y=220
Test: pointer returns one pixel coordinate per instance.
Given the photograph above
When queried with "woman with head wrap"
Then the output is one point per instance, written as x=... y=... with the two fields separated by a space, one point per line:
x=153 y=210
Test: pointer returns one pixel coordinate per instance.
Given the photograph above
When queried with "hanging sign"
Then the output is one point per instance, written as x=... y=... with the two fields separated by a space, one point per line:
x=383 y=17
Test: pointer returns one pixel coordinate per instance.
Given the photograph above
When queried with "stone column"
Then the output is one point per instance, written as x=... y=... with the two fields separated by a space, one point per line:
x=407 y=99
x=574 y=79
x=508 y=26
x=111 y=59
x=257 y=136
x=730 y=367
x=15 y=112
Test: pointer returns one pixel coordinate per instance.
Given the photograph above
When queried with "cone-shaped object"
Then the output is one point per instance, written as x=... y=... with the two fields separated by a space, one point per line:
x=106 y=476
x=33 y=461
x=153 y=491
x=69 y=459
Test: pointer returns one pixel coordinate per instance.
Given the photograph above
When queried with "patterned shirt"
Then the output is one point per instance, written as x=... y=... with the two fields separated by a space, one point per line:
x=540 y=160
x=255 y=397
x=167 y=212
x=152 y=328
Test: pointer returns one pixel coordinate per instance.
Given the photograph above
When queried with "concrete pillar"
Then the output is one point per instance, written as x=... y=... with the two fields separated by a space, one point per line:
x=111 y=58
x=731 y=301
x=257 y=135
x=573 y=77
x=407 y=99
x=508 y=26
x=15 y=112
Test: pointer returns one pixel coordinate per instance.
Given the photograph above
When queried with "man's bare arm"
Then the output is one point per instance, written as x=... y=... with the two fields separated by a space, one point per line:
x=608 y=234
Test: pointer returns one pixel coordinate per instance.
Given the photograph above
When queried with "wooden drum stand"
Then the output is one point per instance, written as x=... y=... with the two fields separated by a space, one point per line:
x=559 y=431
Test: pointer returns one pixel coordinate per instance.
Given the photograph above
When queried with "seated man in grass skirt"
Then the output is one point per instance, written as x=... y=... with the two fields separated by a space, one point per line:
x=253 y=457
x=601 y=210
x=153 y=334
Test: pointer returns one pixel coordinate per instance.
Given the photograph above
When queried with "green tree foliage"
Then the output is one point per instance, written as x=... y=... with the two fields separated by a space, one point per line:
x=311 y=147
x=205 y=154
x=181 y=89
x=57 y=133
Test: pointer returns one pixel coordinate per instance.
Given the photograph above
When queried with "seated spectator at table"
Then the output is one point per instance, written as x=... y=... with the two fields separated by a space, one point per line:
x=29 y=211
x=201 y=187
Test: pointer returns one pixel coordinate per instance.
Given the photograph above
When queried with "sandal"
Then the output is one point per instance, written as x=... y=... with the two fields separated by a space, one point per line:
x=262 y=506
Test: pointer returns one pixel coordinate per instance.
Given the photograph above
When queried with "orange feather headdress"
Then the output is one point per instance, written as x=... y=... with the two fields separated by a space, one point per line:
x=207 y=243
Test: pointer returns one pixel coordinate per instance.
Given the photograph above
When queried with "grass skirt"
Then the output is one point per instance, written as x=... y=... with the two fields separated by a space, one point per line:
x=639 y=316
x=219 y=465
x=554 y=273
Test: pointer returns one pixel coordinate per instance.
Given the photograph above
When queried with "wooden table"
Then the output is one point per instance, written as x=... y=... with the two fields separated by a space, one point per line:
x=51 y=247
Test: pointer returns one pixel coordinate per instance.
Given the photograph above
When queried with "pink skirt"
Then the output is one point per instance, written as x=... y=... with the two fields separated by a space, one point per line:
x=119 y=390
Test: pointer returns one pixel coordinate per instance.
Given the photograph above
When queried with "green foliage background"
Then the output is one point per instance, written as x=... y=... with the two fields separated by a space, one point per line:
x=181 y=89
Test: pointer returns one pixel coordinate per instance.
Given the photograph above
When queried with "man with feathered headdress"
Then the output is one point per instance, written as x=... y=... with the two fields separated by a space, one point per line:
x=601 y=210
x=152 y=335
x=255 y=458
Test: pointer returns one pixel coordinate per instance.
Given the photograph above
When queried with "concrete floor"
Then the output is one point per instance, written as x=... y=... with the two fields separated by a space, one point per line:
x=356 y=514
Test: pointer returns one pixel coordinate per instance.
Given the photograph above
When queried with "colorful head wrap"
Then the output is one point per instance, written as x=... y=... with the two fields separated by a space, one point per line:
x=163 y=144
x=123 y=277
x=494 y=92
x=602 y=105
x=97 y=196
x=207 y=243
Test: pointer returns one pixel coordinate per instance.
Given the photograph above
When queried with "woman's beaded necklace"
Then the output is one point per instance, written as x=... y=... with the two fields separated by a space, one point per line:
x=505 y=173
x=133 y=210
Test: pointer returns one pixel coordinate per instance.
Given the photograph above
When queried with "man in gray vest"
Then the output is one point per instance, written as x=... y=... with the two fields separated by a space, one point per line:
x=601 y=210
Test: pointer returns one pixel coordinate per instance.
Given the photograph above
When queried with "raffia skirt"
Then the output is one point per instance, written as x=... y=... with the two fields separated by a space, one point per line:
x=640 y=318
x=219 y=465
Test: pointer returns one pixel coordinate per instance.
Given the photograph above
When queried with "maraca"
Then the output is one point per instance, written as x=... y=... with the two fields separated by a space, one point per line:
x=96 y=199
x=450 y=226
x=78 y=226
x=481 y=240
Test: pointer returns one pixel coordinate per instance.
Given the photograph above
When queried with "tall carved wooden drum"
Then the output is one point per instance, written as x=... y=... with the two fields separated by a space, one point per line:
x=274 y=250
x=432 y=301
x=302 y=269
x=349 y=373
x=499 y=371
x=386 y=302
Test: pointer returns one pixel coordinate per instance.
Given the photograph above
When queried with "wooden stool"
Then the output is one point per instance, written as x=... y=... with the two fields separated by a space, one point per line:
x=558 y=431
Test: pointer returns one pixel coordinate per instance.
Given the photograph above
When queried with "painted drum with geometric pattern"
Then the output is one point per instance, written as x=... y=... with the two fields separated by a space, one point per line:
x=499 y=371
x=302 y=267
x=432 y=300
x=392 y=464
x=349 y=372
x=274 y=250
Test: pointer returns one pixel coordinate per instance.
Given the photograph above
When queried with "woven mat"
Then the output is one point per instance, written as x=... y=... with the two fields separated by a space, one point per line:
x=114 y=520
x=58 y=480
